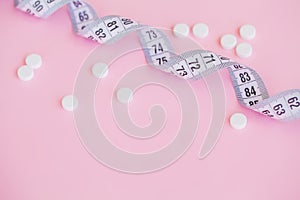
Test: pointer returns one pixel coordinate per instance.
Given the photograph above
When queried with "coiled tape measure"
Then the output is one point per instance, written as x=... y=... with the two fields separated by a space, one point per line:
x=249 y=87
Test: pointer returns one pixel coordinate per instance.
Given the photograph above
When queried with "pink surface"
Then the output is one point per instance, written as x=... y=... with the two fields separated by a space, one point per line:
x=40 y=152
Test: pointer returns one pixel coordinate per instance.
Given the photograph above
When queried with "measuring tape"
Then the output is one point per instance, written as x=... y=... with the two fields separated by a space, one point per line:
x=249 y=87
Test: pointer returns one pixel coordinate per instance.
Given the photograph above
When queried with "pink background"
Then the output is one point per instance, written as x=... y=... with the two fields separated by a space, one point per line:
x=42 y=157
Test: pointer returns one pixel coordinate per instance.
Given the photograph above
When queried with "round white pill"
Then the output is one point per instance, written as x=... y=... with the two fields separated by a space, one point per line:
x=238 y=121
x=228 y=41
x=247 y=32
x=100 y=70
x=125 y=95
x=69 y=103
x=200 y=30
x=181 y=30
x=244 y=50
x=33 y=61
x=25 y=73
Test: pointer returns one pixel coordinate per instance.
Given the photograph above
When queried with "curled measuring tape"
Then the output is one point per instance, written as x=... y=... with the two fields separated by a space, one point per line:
x=249 y=87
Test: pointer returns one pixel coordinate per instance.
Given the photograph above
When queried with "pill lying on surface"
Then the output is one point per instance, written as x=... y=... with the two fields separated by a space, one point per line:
x=238 y=121
x=244 y=50
x=34 y=61
x=100 y=70
x=247 y=32
x=181 y=30
x=228 y=41
x=125 y=95
x=200 y=30
x=69 y=103
x=25 y=73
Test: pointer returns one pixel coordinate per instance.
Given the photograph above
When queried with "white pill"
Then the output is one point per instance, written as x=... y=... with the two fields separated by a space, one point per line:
x=25 y=73
x=100 y=70
x=200 y=30
x=247 y=32
x=238 y=121
x=244 y=50
x=69 y=103
x=34 y=61
x=125 y=95
x=181 y=30
x=228 y=41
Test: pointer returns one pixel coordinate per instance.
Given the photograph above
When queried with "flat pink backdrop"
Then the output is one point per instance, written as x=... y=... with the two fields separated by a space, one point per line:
x=41 y=154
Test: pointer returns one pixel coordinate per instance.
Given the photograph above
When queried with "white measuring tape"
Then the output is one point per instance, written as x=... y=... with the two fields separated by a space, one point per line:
x=249 y=87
